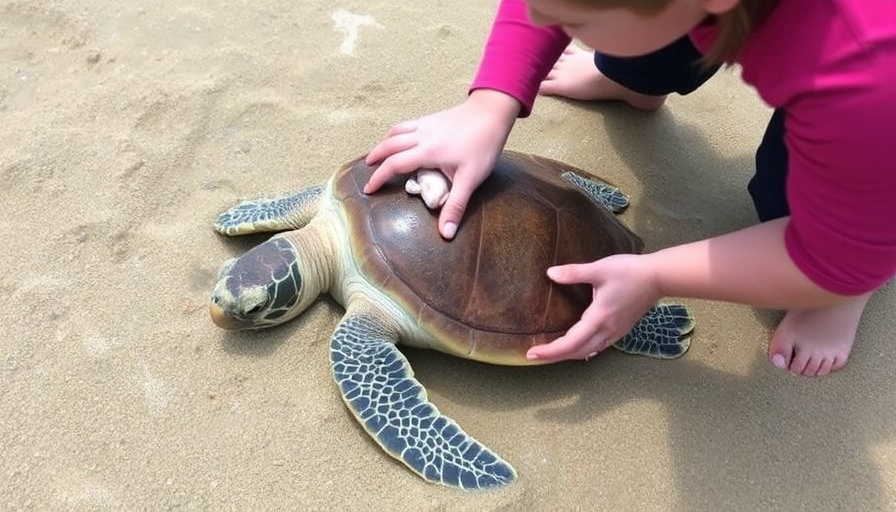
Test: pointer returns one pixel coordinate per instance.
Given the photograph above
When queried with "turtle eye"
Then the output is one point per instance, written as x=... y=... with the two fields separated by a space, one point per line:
x=254 y=310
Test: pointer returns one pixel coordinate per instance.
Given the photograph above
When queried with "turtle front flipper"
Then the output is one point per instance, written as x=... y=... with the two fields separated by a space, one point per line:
x=379 y=387
x=270 y=214
x=662 y=333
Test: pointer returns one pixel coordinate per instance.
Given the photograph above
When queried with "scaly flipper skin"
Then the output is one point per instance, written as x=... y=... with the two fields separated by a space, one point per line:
x=275 y=214
x=379 y=387
x=602 y=193
x=661 y=333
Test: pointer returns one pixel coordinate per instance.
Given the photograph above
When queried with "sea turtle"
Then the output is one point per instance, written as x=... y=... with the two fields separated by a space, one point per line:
x=482 y=296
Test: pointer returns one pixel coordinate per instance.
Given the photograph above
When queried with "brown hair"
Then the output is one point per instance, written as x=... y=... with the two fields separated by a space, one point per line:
x=734 y=25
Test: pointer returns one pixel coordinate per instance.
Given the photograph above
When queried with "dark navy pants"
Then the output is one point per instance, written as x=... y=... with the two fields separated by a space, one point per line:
x=676 y=68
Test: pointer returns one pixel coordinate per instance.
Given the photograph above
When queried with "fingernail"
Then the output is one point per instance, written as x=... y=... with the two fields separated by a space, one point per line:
x=449 y=230
x=531 y=357
x=778 y=361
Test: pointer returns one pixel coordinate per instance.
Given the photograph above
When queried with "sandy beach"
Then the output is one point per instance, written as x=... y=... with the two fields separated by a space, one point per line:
x=126 y=129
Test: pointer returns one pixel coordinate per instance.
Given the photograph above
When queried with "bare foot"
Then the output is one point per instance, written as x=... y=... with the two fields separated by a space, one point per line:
x=816 y=342
x=575 y=77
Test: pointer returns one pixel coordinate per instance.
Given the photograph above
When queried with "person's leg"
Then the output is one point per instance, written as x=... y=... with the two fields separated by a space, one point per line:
x=575 y=77
x=642 y=81
x=768 y=187
x=806 y=342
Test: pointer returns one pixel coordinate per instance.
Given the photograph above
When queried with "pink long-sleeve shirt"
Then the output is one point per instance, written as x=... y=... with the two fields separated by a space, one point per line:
x=831 y=65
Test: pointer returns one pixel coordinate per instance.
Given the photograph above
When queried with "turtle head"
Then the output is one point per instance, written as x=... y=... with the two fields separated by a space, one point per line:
x=261 y=288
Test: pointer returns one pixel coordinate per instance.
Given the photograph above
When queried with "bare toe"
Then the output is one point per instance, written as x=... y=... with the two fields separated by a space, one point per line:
x=811 y=369
x=799 y=362
x=816 y=342
x=825 y=367
x=839 y=362
x=780 y=350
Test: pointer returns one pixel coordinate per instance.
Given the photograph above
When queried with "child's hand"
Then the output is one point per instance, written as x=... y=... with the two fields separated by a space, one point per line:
x=462 y=142
x=624 y=288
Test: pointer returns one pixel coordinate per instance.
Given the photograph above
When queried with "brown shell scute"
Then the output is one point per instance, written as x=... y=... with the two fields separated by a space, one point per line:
x=523 y=219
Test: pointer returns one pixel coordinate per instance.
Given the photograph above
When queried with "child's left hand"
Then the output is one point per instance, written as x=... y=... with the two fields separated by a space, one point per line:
x=624 y=288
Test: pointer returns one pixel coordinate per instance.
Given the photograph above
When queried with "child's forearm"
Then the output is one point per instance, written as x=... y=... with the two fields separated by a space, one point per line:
x=750 y=266
x=501 y=105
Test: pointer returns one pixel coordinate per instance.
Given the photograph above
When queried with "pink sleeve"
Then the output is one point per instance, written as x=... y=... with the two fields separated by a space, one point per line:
x=840 y=124
x=518 y=55
x=842 y=184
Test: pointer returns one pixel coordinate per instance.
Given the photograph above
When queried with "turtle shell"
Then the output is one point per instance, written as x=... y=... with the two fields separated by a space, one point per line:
x=483 y=295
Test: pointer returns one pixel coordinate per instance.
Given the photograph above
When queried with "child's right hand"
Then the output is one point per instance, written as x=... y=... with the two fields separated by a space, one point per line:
x=462 y=142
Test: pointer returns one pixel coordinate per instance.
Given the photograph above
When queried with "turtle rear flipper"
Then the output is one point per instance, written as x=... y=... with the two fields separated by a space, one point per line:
x=379 y=387
x=662 y=333
x=270 y=214
x=601 y=192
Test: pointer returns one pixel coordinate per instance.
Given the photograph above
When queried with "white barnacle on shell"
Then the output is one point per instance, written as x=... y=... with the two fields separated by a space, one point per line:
x=431 y=185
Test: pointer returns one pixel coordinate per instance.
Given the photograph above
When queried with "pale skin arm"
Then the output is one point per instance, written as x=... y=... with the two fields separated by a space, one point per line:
x=749 y=266
x=463 y=142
